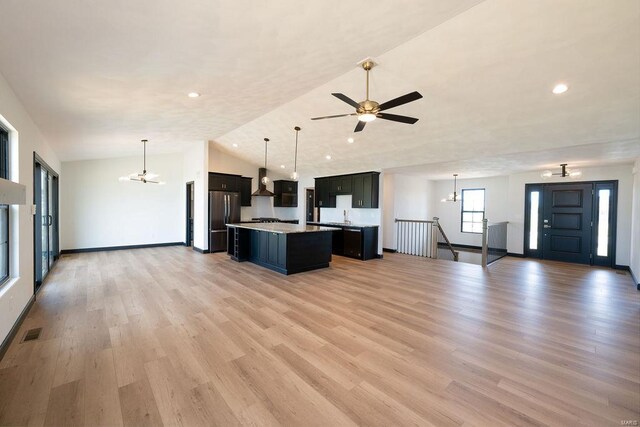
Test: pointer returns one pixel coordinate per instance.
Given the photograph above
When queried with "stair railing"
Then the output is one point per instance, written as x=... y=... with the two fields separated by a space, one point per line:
x=421 y=238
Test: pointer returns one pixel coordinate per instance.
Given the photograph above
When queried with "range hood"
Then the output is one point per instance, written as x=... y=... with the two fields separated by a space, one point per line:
x=262 y=189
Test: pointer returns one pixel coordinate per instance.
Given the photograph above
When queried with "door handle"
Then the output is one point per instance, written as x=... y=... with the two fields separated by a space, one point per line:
x=50 y=217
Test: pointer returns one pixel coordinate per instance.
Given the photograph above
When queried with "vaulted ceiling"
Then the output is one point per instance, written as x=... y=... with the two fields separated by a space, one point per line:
x=99 y=76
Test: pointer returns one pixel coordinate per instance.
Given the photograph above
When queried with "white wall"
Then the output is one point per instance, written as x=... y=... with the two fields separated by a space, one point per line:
x=15 y=294
x=195 y=169
x=405 y=197
x=496 y=206
x=634 y=253
x=97 y=210
x=222 y=162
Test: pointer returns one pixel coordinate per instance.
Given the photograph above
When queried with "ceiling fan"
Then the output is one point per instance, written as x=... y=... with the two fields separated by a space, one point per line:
x=368 y=110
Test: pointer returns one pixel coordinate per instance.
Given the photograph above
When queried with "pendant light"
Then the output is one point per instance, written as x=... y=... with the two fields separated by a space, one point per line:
x=265 y=179
x=144 y=177
x=294 y=175
x=453 y=197
x=564 y=172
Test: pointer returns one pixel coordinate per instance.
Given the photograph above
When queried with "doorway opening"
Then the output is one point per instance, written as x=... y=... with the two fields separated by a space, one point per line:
x=188 y=241
x=45 y=224
x=572 y=222
x=310 y=210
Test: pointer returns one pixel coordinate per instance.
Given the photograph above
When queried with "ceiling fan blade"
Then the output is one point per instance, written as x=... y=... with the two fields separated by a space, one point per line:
x=331 y=117
x=397 y=118
x=346 y=99
x=401 y=100
x=359 y=126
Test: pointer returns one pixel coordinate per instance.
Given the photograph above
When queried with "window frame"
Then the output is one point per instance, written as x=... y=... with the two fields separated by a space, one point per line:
x=5 y=174
x=462 y=211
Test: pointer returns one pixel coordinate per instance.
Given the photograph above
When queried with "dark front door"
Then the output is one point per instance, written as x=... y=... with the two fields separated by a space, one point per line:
x=567 y=222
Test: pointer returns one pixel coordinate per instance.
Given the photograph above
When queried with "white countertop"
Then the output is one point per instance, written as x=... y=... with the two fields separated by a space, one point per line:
x=343 y=224
x=283 y=228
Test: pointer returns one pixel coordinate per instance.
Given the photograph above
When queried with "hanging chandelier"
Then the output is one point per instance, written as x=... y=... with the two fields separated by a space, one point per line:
x=564 y=172
x=294 y=174
x=144 y=177
x=453 y=197
x=265 y=179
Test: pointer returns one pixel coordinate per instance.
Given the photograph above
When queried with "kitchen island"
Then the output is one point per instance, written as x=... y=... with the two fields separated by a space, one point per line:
x=359 y=241
x=285 y=248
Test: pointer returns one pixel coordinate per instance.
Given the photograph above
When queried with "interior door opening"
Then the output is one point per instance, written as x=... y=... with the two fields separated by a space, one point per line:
x=571 y=222
x=45 y=233
x=189 y=215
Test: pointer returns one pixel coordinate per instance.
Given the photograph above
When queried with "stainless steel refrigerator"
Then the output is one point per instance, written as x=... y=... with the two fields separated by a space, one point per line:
x=224 y=208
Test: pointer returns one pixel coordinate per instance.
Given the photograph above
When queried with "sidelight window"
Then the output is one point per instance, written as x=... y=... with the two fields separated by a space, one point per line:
x=603 y=222
x=534 y=204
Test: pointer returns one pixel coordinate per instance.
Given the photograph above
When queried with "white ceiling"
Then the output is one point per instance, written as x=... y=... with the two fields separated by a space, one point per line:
x=98 y=76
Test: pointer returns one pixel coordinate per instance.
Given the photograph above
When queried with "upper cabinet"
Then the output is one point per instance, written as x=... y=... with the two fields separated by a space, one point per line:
x=363 y=188
x=224 y=182
x=324 y=198
x=245 y=191
x=285 y=194
x=341 y=184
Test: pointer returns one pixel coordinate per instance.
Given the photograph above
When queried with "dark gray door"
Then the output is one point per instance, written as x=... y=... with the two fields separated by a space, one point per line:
x=567 y=222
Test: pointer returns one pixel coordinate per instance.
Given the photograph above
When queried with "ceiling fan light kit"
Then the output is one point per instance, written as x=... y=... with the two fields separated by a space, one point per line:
x=369 y=110
x=144 y=177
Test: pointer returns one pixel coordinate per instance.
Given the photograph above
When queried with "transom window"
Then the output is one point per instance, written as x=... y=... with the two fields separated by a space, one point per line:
x=472 y=210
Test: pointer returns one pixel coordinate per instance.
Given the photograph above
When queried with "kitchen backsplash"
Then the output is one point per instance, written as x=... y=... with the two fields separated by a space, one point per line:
x=357 y=216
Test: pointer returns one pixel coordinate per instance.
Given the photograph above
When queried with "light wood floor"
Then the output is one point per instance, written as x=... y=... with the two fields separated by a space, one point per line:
x=170 y=336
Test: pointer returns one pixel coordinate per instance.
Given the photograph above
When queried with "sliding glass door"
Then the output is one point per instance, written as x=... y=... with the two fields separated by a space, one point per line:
x=46 y=219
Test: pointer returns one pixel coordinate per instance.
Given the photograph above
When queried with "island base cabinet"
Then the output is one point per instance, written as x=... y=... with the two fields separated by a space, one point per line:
x=289 y=253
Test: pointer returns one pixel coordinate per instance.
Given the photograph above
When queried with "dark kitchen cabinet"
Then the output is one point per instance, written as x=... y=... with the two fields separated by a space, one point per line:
x=324 y=198
x=245 y=191
x=340 y=185
x=277 y=250
x=352 y=241
x=269 y=248
x=285 y=194
x=224 y=182
x=365 y=188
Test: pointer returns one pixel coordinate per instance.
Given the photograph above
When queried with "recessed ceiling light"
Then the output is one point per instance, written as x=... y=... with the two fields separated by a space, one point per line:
x=560 y=88
x=282 y=166
x=193 y=94
x=350 y=140
x=235 y=145
x=328 y=157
